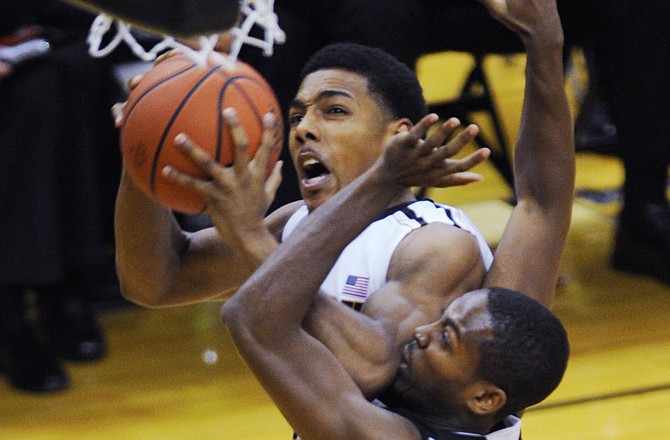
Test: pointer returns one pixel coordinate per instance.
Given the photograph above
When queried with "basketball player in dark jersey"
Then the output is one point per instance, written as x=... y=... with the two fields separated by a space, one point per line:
x=455 y=375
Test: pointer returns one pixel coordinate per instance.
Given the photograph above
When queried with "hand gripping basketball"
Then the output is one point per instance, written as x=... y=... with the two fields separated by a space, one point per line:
x=237 y=196
x=180 y=96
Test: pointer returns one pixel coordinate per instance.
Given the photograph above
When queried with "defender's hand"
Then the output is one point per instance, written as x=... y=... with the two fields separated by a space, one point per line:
x=528 y=18
x=411 y=161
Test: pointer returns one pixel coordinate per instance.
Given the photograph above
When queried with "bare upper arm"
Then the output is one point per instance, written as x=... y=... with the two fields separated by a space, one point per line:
x=528 y=256
x=205 y=268
x=431 y=266
x=427 y=271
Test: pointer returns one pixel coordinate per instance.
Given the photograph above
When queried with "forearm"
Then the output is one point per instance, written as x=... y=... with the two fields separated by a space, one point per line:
x=544 y=153
x=148 y=245
x=528 y=255
x=158 y=264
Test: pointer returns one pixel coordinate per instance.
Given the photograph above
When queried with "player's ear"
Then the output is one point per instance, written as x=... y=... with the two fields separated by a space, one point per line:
x=485 y=398
x=400 y=126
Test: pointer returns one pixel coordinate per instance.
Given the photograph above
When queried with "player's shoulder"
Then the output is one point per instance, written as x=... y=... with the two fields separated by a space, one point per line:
x=434 y=246
x=276 y=220
x=438 y=238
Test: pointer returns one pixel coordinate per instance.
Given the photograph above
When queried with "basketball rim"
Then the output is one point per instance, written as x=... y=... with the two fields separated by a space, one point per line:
x=179 y=18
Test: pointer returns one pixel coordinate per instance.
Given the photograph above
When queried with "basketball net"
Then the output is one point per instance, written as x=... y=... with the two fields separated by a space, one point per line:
x=255 y=12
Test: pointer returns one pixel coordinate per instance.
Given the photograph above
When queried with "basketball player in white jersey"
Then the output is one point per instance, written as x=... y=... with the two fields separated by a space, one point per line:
x=339 y=127
x=443 y=385
x=455 y=378
x=425 y=252
x=421 y=252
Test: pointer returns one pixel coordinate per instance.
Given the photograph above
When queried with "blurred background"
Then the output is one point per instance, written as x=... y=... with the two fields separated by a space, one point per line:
x=174 y=374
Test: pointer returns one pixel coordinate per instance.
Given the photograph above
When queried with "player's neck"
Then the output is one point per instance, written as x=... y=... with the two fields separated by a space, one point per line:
x=404 y=197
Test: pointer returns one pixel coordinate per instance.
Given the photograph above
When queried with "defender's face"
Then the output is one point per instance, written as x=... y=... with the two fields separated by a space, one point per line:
x=338 y=130
x=443 y=357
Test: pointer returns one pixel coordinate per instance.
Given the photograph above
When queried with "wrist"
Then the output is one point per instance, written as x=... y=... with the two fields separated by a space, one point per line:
x=546 y=39
x=383 y=178
x=253 y=243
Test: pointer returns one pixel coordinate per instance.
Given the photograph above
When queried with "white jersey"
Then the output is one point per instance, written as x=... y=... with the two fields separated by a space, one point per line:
x=361 y=268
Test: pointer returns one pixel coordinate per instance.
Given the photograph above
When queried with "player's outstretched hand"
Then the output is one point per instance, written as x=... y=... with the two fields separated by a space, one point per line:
x=409 y=160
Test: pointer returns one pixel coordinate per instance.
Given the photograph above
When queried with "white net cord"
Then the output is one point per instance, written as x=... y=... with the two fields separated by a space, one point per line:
x=255 y=12
x=259 y=13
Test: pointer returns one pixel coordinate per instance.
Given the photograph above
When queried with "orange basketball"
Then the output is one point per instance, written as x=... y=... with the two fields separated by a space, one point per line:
x=179 y=95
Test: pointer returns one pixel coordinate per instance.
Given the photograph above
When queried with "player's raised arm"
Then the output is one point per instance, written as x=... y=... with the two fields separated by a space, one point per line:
x=528 y=255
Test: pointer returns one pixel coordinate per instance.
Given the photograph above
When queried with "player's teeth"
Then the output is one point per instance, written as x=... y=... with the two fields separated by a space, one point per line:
x=316 y=179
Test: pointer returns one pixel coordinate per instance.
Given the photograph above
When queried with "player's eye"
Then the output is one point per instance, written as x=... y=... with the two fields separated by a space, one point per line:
x=445 y=338
x=295 y=119
x=336 y=110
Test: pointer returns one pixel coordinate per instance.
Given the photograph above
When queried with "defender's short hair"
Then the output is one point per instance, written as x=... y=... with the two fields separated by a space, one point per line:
x=528 y=353
x=391 y=81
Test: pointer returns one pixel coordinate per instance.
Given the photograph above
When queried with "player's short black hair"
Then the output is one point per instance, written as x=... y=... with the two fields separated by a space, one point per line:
x=528 y=352
x=391 y=81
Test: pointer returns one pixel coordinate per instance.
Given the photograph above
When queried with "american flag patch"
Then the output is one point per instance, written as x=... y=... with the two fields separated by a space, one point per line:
x=356 y=286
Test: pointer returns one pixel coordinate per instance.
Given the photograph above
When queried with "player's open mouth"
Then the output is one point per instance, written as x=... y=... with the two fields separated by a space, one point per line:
x=406 y=357
x=314 y=173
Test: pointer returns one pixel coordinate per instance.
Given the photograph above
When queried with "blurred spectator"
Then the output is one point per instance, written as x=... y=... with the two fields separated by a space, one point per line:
x=625 y=40
x=60 y=170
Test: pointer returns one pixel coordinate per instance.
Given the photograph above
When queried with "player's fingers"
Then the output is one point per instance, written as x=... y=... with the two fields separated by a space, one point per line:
x=455 y=172
x=198 y=185
x=421 y=128
x=239 y=138
x=456 y=144
x=413 y=137
x=273 y=181
x=117 y=113
x=166 y=55
x=268 y=141
x=438 y=136
x=197 y=155
x=460 y=179
x=468 y=162
x=134 y=81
